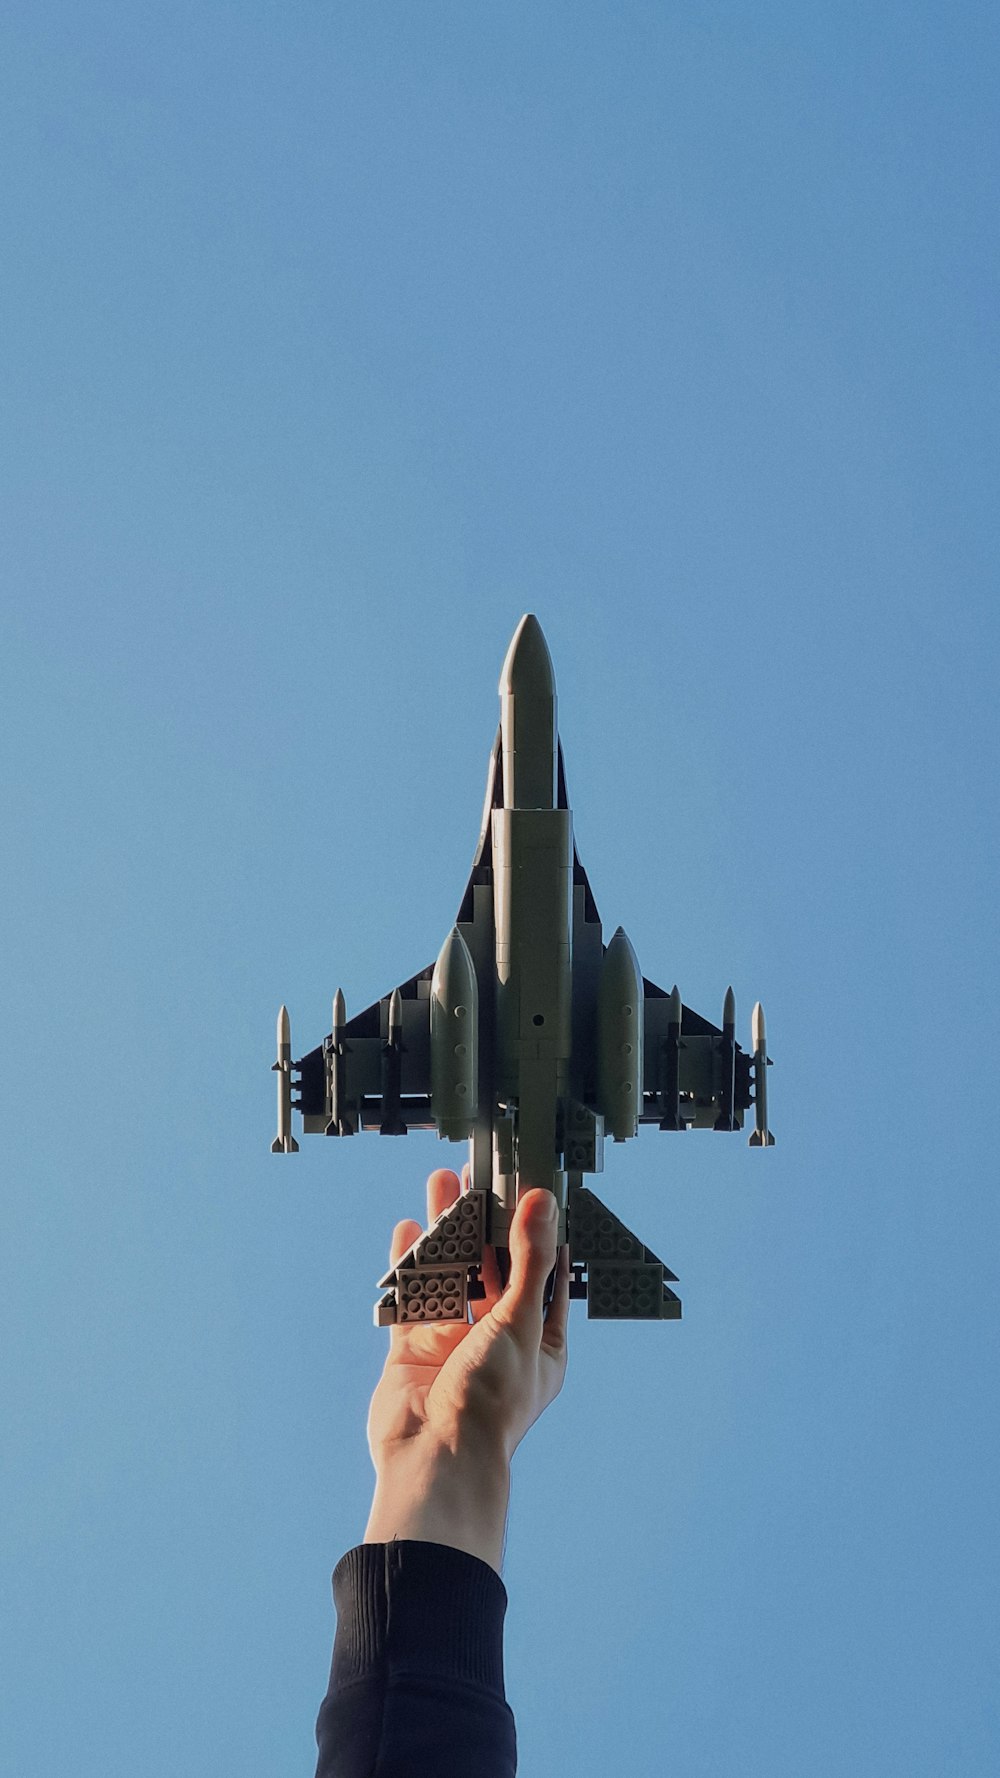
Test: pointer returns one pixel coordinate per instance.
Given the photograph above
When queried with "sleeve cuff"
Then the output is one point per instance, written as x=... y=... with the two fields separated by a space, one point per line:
x=422 y=1607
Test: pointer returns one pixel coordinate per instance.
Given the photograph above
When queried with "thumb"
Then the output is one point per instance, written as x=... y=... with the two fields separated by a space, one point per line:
x=532 y=1256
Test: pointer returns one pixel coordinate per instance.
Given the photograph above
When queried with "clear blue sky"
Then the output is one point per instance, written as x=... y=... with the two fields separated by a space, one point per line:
x=333 y=338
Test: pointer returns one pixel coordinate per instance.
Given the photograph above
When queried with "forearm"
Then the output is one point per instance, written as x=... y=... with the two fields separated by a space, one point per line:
x=416 y=1684
x=431 y=1494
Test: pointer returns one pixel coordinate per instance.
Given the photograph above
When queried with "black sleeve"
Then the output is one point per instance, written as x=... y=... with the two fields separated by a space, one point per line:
x=416 y=1685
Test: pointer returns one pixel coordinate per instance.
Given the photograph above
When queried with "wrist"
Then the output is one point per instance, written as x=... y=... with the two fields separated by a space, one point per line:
x=431 y=1493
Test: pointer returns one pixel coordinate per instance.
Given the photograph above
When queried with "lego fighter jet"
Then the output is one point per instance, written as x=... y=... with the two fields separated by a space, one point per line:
x=531 y=1039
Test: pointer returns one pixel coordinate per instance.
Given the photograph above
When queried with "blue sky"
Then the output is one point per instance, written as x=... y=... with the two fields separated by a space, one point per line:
x=333 y=338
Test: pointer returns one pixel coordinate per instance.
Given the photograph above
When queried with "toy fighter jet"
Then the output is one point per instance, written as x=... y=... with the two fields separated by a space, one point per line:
x=529 y=1038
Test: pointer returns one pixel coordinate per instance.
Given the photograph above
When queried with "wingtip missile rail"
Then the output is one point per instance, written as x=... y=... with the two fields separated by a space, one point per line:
x=284 y=1142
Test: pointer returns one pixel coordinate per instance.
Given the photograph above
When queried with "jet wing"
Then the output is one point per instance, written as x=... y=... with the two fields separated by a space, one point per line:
x=353 y=1065
x=690 y=1075
x=366 y=1075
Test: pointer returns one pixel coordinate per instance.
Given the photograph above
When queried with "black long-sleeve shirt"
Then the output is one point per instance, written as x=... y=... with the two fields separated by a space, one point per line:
x=416 y=1686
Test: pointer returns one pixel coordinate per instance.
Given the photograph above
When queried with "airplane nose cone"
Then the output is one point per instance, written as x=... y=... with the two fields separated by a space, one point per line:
x=527 y=671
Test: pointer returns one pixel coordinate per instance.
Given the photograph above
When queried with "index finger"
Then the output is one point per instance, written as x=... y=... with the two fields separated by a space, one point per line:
x=443 y=1189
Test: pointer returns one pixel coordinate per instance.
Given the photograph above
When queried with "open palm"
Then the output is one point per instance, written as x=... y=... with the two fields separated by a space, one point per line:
x=487 y=1380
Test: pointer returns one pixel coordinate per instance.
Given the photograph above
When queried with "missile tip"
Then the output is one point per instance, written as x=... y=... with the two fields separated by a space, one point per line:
x=758 y=1031
x=395 y=1009
x=729 y=1008
x=284 y=1030
x=339 y=1008
x=528 y=625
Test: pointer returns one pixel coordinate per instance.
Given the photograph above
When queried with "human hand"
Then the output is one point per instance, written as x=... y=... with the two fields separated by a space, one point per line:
x=455 y=1400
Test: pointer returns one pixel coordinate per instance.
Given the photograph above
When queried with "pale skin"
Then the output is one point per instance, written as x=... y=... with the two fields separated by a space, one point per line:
x=455 y=1399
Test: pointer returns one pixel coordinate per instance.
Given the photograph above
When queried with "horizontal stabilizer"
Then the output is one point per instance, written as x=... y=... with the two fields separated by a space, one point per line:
x=431 y=1281
x=625 y=1279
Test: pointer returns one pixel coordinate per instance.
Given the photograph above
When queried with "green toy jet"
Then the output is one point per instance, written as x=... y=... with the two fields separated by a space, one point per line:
x=530 y=1039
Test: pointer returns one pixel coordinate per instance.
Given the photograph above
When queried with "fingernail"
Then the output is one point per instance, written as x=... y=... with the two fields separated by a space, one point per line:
x=551 y=1207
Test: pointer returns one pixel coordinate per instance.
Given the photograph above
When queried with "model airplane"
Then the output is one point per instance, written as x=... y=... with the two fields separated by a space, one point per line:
x=529 y=1038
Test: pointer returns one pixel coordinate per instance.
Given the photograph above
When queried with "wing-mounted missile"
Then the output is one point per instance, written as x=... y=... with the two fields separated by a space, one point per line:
x=761 y=1137
x=335 y=1053
x=392 y=1122
x=284 y=1142
x=726 y=1065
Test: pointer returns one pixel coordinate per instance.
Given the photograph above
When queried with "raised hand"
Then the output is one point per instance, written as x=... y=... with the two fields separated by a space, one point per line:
x=454 y=1401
